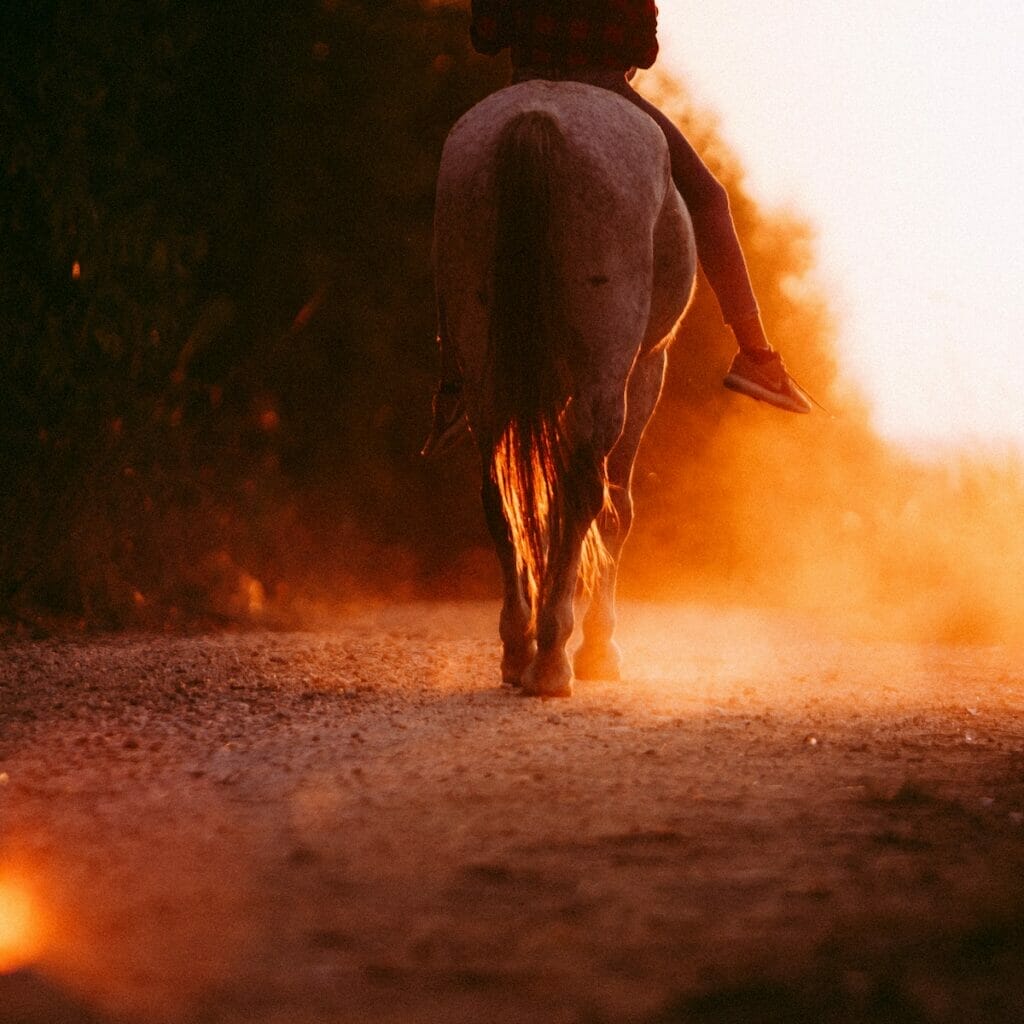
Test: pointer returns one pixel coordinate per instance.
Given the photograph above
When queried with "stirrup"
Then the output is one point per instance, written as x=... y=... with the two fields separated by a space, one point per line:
x=448 y=428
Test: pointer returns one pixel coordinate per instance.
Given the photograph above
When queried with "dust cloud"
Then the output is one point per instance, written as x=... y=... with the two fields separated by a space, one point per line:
x=741 y=503
x=738 y=504
x=249 y=457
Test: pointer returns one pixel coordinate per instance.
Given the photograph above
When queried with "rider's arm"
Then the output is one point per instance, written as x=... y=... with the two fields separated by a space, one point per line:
x=491 y=27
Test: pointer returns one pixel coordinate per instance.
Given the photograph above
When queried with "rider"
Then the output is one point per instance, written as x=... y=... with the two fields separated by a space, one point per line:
x=602 y=43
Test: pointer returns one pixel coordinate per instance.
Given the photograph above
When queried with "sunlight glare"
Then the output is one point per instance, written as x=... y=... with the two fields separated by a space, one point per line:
x=19 y=928
x=895 y=131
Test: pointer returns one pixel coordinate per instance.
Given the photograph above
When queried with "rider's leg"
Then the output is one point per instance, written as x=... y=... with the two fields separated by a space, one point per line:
x=717 y=245
x=706 y=199
x=757 y=370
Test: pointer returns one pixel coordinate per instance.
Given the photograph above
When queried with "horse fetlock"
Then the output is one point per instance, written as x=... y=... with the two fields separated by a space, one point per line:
x=514 y=622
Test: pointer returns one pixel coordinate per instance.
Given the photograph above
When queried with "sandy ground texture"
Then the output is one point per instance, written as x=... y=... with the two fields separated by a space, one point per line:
x=762 y=822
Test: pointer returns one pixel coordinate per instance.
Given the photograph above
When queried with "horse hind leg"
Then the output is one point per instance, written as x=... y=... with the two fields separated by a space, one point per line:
x=598 y=656
x=550 y=675
x=514 y=625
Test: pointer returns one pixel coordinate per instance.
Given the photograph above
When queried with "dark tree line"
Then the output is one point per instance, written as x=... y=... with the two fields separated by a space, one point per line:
x=216 y=311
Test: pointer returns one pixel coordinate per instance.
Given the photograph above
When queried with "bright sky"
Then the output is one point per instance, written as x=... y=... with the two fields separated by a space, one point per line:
x=897 y=128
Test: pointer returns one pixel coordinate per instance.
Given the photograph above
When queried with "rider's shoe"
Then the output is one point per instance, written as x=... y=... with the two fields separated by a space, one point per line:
x=761 y=374
x=449 y=419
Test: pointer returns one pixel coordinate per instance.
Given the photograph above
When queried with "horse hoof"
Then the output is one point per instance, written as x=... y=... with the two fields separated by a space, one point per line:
x=516 y=663
x=605 y=663
x=546 y=689
x=550 y=680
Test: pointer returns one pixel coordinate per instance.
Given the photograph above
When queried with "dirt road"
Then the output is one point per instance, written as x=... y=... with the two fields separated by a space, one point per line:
x=762 y=822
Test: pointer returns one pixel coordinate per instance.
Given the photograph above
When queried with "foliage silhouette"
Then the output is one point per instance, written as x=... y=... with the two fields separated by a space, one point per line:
x=216 y=356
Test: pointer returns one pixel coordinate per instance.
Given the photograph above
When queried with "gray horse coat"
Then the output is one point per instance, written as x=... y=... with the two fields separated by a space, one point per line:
x=564 y=259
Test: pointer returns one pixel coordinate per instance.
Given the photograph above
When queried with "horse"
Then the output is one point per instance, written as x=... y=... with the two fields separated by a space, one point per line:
x=564 y=259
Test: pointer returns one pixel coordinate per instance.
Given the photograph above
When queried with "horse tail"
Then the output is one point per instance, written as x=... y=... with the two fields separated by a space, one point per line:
x=548 y=480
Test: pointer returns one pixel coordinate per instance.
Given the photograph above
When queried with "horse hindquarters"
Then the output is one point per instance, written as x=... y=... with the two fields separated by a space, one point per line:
x=549 y=197
x=551 y=484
